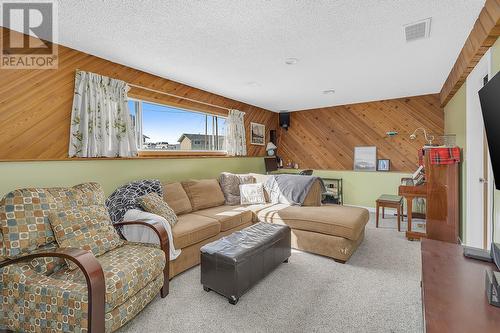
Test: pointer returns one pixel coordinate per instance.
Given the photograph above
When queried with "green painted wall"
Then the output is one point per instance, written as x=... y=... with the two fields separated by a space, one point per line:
x=454 y=123
x=113 y=173
x=495 y=57
x=363 y=188
x=360 y=188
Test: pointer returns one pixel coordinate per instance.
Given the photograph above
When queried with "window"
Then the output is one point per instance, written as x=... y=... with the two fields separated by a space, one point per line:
x=163 y=127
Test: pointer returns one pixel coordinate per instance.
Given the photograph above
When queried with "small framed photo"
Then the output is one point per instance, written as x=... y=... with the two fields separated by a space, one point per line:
x=257 y=134
x=383 y=165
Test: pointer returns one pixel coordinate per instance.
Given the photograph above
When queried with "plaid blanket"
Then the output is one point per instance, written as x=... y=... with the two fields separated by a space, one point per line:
x=444 y=155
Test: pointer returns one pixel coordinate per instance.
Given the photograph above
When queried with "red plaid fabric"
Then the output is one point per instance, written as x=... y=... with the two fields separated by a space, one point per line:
x=444 y=155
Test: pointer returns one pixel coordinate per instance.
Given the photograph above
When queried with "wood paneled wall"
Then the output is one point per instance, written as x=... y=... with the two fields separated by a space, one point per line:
x=325 y=138
x=484 y=34
x=35 y=105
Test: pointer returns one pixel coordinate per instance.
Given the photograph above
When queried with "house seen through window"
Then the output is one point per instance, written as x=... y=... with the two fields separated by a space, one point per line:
x=163 y=127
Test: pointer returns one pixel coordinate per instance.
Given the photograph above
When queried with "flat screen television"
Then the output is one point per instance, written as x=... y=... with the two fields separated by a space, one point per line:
x=489 y=97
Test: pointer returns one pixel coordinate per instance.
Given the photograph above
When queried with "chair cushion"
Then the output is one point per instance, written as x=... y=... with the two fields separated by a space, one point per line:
x=193 y=228
x=230 y=185
x=342 y=221
x=204 y=193
x=153 y=203
x=229 y=217
x=24 y=214
x=175 y=196
x=88 y=228
x=127 y=270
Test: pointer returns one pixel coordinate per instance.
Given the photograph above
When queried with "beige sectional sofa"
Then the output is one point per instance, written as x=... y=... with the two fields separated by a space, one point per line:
x=331 y=230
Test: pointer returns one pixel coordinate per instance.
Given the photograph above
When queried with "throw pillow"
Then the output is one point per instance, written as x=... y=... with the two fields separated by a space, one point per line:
x=88 y=228
x=153 y=203
x=230 y=185
x=252 y=194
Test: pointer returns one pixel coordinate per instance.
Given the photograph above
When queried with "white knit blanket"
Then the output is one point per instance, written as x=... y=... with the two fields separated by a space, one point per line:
x=143 y=234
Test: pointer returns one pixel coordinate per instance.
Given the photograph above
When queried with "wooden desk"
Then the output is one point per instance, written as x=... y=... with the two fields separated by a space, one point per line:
x=453 y=291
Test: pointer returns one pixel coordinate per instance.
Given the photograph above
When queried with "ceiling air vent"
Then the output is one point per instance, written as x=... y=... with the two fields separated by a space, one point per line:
x=417 y=30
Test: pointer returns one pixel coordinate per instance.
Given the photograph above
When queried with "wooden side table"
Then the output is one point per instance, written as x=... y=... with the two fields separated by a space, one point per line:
x=390 y=201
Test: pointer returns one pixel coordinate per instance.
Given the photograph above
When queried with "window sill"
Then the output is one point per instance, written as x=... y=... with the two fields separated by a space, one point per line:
x=173 y=154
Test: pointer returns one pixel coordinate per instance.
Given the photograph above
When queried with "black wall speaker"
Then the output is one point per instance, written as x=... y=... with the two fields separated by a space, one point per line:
x=272 y=136
x=285 y=120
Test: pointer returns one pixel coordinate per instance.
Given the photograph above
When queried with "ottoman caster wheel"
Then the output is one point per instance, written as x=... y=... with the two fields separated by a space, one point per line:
x=206 y=289
x=286 y=260
x=232 y=300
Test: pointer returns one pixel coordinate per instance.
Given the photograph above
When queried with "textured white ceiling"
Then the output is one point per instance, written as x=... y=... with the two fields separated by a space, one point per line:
x=237 y=48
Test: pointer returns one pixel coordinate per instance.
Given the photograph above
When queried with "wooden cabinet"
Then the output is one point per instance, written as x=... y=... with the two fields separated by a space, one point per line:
x=453 y=291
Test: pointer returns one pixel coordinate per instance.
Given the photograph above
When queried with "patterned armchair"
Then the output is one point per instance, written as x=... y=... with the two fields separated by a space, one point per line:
x=46 y=287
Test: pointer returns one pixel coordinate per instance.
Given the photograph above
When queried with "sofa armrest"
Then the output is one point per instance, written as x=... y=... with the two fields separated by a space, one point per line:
x=94 y=276
x=161 y=232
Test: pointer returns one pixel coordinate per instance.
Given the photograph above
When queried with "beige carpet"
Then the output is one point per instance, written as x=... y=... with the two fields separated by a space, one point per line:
x=378 y=290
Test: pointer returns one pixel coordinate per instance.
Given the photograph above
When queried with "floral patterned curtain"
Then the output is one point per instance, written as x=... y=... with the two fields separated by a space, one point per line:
x=235 y=133
x=100 y=121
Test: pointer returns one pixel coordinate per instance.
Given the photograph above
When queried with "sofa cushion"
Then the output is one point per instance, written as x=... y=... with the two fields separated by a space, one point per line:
x=153 y=203
x=192 y=228
x=230 y=185
x=127 y=270
x=257 y=208
x=229 y=217
x=204 y=193
x=177 y=198
x=24 y=214
x=342 y=221
x=88 y=228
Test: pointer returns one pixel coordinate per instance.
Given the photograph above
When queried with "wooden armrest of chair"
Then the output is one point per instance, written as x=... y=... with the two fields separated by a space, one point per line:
x=161 y=232
x=93 y=273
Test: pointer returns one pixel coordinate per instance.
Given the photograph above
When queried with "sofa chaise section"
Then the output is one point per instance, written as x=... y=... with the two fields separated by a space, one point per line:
x=329 y=230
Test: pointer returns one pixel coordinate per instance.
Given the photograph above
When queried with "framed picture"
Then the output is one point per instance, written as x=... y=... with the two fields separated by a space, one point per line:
x=365 y=158
x=383 y=165
x=257 y=134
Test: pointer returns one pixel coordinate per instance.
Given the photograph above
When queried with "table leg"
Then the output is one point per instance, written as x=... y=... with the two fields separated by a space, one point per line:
x=399 y=217
x=378 y=208
x=383 y=212
x=409 y=208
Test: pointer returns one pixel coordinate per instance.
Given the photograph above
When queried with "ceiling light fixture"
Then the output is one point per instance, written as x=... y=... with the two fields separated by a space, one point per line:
x=291 y=61
x=329 y=91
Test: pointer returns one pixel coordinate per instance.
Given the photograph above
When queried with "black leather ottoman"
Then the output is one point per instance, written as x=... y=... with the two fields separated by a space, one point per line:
x=233 y=264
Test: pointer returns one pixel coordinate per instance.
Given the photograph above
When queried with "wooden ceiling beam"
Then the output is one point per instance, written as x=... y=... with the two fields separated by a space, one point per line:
x=483 y=35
